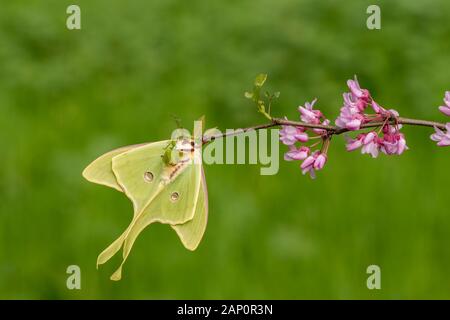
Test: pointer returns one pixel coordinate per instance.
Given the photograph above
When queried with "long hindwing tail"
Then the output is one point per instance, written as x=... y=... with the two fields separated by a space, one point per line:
x=166 y=208
x=190 y=233
x=145 y=160
x=173 y=202
x=100 y=172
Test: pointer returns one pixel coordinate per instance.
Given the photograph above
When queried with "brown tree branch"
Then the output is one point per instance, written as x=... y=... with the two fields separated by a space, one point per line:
x=332 y=130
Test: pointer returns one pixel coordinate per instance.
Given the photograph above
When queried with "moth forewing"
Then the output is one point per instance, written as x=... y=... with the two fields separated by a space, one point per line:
x=132 y=169
x=175 y=202
x=100 y=171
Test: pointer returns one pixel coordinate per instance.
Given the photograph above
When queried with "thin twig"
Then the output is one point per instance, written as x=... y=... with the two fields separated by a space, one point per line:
x=332 y=130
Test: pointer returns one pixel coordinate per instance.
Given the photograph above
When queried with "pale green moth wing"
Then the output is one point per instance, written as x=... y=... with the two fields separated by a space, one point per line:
x=100 y=170
x=144 y=163
x=194 y=225
x=166 y=208
x=174 y=202
x=145 y=178
x=191 y=232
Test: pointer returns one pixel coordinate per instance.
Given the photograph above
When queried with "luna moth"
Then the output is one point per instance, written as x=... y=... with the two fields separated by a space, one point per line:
x=162 y=190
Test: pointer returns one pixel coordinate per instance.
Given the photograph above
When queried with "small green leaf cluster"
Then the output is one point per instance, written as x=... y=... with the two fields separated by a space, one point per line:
x=262 y=102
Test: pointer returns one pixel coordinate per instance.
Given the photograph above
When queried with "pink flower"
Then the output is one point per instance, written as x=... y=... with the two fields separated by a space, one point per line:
x=356 y=90
x=302 y=136
x=372 y=148
x=352 y=102
x=369 y=137
x=355 y=102
x=308 y=114
x=364 y=140
x=290 y=135
x=296 y=153
x=377 y=108
x=446 y=109
x=320 y=161
x=314 y=162
x=371 y=144
x=350 y=118
x=353 y=144
x=368 y=141
x=442 y=138
x=308 y=165
x=393 y=142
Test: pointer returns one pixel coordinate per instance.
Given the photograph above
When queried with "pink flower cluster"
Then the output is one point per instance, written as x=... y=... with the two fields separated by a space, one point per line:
x=290 y=136
x=385 y=136
x=443 y=137
x=386 y=139
x=446 y=109
x=391 y=142
x=356 y=101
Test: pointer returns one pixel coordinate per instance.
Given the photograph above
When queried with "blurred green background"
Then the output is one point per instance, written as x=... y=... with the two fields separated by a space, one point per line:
x=68 y=96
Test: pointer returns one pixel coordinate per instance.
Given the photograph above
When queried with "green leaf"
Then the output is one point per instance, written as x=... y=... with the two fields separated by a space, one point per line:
x=260 y=79
x=248 y=95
